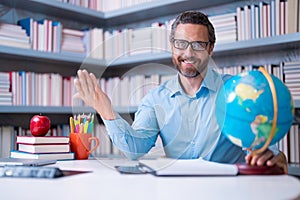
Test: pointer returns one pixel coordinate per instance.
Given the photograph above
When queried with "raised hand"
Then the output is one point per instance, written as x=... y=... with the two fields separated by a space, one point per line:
x=90 y=92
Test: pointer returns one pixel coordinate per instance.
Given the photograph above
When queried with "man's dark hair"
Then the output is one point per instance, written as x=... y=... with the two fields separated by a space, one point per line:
x=194 y=17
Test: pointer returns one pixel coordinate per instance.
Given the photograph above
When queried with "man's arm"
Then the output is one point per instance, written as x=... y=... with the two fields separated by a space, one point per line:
x=134 y=142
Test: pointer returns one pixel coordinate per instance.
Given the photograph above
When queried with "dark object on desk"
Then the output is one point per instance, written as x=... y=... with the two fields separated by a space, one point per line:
x=294 y=169
x=36 y=172
x=25 y=162
x=245 y=169
x=31 y=172
x=73 y=172
x=130 y=169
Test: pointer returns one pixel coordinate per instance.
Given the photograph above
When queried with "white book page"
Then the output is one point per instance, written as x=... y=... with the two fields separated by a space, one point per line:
x=166 y=166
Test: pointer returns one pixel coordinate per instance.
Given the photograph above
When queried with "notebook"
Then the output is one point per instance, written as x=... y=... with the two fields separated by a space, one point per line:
x=25 y=162
x=191 y=167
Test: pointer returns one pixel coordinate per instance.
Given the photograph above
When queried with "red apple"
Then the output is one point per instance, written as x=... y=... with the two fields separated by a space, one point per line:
x=39 y=125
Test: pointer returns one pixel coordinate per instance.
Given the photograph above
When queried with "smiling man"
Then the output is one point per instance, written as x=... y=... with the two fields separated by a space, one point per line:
x=181 y=110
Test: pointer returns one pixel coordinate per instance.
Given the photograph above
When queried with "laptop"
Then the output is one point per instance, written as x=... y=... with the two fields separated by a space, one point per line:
x=25 y=162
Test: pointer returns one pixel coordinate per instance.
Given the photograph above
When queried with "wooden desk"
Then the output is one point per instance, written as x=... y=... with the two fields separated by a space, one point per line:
x=106 y=183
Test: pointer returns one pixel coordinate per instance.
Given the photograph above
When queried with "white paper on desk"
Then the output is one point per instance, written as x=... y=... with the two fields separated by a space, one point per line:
x=188 y=167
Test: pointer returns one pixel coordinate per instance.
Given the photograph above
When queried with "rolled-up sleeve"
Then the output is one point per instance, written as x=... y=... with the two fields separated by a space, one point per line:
x=137 y=139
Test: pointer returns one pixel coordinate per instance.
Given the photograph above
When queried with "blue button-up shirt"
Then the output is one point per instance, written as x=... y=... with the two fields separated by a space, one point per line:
x=186 y=124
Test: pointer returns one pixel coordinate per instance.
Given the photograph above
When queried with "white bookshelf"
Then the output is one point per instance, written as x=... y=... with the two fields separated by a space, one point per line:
x=276 y=49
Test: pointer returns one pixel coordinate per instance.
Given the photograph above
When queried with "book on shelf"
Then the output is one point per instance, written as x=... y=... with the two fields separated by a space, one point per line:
x=12 y=43
x=6 y=140
x=43 y=140
x=13 y=35
x=292 y=14
x=72 y=41
x=55 y=156
x=44 y=148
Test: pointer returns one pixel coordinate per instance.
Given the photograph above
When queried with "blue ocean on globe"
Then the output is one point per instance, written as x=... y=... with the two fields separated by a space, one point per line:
x=245 y=109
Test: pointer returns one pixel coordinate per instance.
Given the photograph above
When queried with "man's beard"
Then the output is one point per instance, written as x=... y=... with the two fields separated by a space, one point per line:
x=191 y=74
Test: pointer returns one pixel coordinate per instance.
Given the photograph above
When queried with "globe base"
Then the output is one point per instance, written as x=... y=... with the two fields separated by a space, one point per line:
x=246 y=169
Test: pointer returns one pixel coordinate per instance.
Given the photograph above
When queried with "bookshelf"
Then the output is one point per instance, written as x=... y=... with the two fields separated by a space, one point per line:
x=21 y=115
x=128 y=15
x=284 y=47
x=275 y=49
x=66 y=65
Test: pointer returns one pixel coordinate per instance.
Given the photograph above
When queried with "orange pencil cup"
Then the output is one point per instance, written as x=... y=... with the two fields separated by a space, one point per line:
x=81 y=145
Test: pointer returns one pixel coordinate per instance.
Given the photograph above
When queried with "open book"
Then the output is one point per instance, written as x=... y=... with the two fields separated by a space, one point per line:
x=190 y=167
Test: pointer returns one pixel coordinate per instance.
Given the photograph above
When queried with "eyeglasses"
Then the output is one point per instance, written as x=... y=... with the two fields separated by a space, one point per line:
x=196 y=45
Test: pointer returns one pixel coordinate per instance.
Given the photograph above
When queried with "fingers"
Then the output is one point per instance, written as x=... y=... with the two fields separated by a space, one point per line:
x=95 y=83
x=90 y=92
x=261 y=159
x=86 y=85
x=268 y=158
x=279 y=160
x=78 y=88
x=248 y=158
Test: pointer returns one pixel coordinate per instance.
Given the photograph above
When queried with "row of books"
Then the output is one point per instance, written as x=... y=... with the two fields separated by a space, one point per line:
x=243 y=24
x=104 y=6
x=290 y=144
x=267 y=19
x=288 y=72
x=29 y=88
x=274 y=69
x=50 y=89
x=51 y=36
x=45 y=35
x=128 y=42
x=249 y=22
x=129 y=90
x=34 y=89
x=292 y=78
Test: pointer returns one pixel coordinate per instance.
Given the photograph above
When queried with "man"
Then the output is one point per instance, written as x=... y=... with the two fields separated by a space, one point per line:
x=181 y=110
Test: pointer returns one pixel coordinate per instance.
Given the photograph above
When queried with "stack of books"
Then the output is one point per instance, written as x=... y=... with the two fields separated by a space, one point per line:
x=14 y=36
x=72 y=42
x=5 y=93
x=47 y=147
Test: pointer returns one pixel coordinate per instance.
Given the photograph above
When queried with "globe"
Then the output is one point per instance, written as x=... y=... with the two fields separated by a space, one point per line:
x=248 y=113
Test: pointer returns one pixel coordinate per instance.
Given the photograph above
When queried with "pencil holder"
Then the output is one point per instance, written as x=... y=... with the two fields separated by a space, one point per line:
x=81 y=145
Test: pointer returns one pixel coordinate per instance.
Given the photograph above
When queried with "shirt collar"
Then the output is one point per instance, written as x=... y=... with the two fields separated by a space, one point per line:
x=210 y=82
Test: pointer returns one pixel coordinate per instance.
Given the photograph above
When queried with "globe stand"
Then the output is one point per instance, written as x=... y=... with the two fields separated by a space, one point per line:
x=247 y=169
